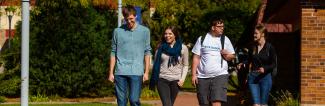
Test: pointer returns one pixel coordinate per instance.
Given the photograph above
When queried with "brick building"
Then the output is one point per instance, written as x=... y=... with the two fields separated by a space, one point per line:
x=297 y=30
x=312 y=52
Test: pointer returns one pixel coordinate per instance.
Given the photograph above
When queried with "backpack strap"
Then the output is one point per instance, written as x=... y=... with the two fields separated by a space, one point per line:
x=222 y=40
x=202 y=39
x=275 y=69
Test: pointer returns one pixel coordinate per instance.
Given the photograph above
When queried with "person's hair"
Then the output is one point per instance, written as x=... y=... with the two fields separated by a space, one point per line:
x=175 y=31
x=128 y=10
x=261 y=28
x=216 y=20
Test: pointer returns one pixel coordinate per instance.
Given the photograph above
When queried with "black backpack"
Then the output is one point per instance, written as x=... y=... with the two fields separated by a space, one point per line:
x=222 y=39
x=275 y=69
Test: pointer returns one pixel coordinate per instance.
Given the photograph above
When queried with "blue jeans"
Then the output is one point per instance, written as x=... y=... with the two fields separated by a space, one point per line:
x=128 y=86
x=260 y=86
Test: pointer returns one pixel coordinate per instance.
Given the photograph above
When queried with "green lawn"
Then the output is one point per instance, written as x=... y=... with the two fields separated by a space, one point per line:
x=188 y=84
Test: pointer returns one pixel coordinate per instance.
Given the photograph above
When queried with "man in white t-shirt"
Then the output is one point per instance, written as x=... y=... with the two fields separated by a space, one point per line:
x=209 y=67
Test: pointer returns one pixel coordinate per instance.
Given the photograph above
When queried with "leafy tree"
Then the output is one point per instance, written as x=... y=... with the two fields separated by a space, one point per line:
x=192 y=17
x=10 y=61
x=70 y=40
x=69 y=48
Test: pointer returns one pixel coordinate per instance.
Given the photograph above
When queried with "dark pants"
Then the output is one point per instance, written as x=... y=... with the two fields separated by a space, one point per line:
x=168 y=91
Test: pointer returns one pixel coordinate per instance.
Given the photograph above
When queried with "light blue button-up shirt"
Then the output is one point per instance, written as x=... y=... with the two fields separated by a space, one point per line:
x=129 y=47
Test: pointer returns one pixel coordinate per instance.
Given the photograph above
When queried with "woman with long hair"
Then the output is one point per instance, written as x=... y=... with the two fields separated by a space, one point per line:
x=263 y=61
x=170 y=66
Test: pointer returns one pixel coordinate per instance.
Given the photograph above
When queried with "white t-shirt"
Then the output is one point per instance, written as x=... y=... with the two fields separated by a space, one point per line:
x=210 y=63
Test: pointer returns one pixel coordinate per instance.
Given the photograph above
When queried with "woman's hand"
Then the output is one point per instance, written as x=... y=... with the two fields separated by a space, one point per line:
x=180 y=83
x=240 y=65
x=261 y=70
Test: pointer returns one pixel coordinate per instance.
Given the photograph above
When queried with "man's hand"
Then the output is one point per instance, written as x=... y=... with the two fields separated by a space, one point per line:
x=145 y=77
x=146 y=69
x=111 y=77
x=111 y=69
x=227 y=55
x=195 y=63
x=223 y=51
x=194 y=80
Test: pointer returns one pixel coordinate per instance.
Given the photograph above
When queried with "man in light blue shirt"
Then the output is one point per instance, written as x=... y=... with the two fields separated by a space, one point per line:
x=130 y=57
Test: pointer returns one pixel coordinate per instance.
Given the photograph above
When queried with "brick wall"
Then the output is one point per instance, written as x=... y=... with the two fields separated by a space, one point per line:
x=312 y=56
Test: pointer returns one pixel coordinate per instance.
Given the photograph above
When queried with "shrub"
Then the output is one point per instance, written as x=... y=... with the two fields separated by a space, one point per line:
x=10 y=77
x=2 y=99
x=285 y=98
x=146 y=93
x=55 y=97
x=69 y=51
x=39 y=98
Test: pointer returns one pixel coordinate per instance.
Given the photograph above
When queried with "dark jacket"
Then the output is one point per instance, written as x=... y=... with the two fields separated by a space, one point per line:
x=266 y=58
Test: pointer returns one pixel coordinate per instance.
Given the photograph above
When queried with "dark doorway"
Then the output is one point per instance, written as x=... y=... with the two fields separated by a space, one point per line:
x=287 y=46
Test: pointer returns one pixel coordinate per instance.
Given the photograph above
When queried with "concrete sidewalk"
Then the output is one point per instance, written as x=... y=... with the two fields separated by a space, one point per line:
x=190 y=99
